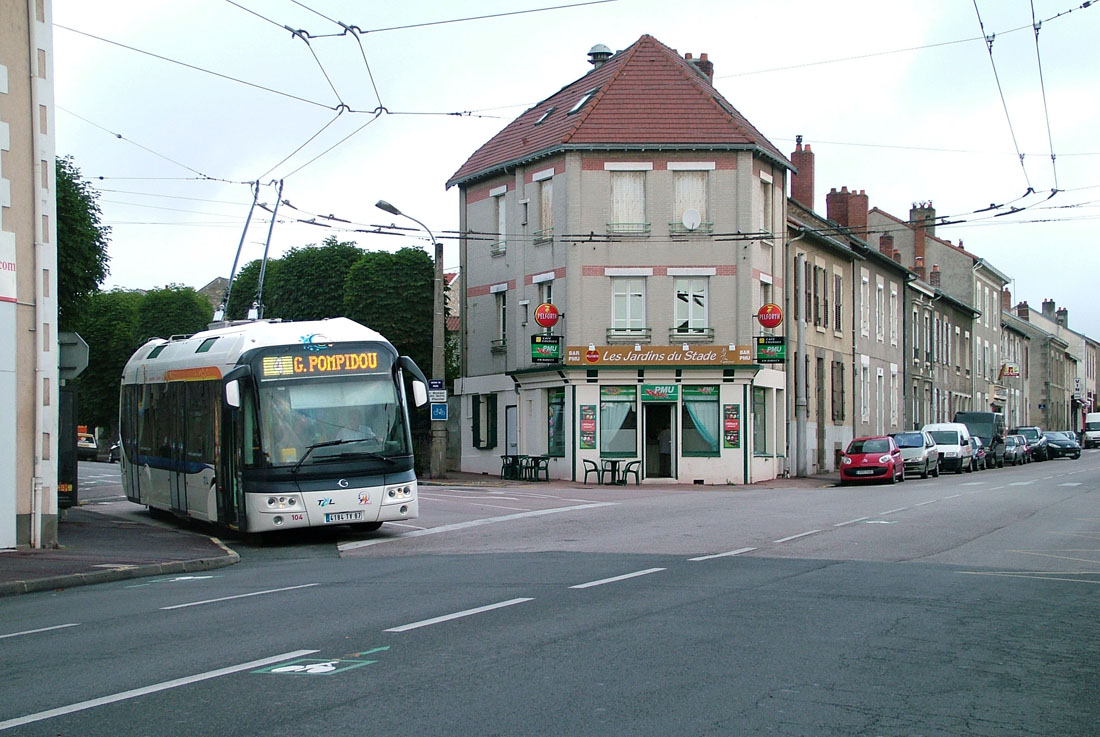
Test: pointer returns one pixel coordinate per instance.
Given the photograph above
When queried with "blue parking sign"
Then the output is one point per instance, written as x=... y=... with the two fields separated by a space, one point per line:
x=439 y=411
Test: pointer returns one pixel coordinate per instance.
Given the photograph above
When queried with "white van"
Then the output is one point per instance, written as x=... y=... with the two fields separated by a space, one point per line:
x=1092 y=430
x=954 y=445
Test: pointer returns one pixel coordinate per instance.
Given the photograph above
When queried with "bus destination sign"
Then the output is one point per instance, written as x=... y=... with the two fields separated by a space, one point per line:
x=313 y=364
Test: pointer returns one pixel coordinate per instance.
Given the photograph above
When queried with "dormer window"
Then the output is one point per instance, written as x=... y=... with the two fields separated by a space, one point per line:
x=584 y=100
x=544 y=116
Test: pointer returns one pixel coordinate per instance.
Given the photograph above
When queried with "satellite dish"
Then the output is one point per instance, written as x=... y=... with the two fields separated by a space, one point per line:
x=691 y=219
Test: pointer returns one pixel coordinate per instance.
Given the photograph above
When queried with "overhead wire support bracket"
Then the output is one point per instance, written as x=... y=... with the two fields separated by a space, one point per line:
x=257 y=311
x=219 y=314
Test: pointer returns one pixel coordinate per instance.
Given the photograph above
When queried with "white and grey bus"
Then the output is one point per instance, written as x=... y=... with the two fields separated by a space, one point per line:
x=267 y=425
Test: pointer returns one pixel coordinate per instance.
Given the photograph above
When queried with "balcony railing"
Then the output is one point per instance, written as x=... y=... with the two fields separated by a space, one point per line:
x=500 y=345
x=543 y=236
x=678 y=229
x=629 y=335
x=691 y=335
x=498 y=249
x=634 y=230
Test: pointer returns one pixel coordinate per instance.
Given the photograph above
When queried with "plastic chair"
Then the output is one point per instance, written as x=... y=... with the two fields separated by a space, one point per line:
x=537 y=465
x=505 y=466
x=633 y=468
x=591 y=467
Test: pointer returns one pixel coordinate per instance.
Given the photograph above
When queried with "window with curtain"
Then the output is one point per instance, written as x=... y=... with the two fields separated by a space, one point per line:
x=555 y=422
x=691 y=304
x=759 y=421
x=618 y=421
x=700 y=425
x=838 y=300
x=628 y=303
x=502 y=319
x=689 y=193
x=546 y=207
x=628 y=197
x=865 y=303
x=502 y=222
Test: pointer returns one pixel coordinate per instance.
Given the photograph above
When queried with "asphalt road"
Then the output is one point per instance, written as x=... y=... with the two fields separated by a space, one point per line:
x=965 y=605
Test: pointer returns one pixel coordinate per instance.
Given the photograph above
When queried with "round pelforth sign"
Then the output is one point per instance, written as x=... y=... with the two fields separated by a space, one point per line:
x=547 y=315
x=770 y=315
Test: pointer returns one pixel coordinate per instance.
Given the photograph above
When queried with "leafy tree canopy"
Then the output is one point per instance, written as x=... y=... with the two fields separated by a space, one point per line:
x=309 y=283
x=81 y=242
x=173 y=310
x=108 y=323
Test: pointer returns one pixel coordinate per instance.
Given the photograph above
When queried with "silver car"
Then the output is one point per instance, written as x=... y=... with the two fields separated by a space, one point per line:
x=918 y=450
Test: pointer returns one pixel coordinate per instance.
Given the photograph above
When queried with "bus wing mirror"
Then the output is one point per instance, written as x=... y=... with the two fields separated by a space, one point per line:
x=233 y=393
x=419 y=382
x=420 y=393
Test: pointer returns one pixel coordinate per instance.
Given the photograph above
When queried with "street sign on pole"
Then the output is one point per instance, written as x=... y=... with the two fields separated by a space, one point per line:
x=439 y=412
x=72 y=355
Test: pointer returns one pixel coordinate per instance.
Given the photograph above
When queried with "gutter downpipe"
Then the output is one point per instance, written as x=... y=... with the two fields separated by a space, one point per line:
x=801 y=404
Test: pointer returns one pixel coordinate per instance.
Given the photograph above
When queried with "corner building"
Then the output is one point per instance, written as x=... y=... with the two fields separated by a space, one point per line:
x=639 y=202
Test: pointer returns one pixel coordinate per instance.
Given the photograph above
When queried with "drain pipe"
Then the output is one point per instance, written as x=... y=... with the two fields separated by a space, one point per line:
x=801 y=404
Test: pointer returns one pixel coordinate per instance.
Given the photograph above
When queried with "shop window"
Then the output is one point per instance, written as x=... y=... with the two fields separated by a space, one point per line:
x=699 y=421
x=760 y=421
x=555 y=422
x=618 y=421
x=484 y=420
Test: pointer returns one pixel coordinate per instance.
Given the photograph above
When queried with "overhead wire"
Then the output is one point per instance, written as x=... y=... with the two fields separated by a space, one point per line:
x=1043 y=89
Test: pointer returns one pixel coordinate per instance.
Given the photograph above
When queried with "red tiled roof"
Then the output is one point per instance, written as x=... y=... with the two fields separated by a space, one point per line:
x=647 y=95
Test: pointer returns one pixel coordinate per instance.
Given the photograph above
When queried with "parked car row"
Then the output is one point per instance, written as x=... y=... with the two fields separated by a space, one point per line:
x=948 y=446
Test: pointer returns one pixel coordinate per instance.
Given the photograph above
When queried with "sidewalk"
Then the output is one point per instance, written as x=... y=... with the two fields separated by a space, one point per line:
x=97 y=547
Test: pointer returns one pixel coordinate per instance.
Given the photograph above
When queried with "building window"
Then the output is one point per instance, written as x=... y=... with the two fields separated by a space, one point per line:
x=699 y=421
x=501 y=338
x=916 y=333
x=618 y=421
x=546 y=292
x=759 y=420
x=555 y=422
x=880 y=312
x=545 y=230
x=865 y=303
x=893 y=396
x=689 y=193
x=484 y=420
x=865 y=392
x=838 y=391
x=691 y=305
x=501 y=245
x=767 y=216
x=628 y=202
x=927 y=336
x=880 y=402
x=628 y=303
x=838 y=300
x=893 y=314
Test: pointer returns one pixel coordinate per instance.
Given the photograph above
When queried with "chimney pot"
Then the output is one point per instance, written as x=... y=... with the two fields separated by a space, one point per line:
x=802 y=183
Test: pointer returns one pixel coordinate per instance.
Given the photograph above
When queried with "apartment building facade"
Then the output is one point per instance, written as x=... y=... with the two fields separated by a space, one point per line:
x=650 y=214
x=1015 y=367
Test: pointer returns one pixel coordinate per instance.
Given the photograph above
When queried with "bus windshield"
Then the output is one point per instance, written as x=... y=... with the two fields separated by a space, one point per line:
x=363 y=411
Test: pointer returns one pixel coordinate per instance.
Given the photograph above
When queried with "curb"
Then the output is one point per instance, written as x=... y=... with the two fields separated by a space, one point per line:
x=121 y=573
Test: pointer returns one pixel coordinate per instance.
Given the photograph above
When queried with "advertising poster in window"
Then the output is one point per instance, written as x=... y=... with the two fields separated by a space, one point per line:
x=588 y=427
x=731 y=425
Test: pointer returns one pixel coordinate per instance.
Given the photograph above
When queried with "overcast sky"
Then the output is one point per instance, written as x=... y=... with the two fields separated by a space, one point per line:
x=897 y=98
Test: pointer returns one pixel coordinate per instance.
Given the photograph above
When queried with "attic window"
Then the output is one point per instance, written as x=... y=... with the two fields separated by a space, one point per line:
x=584 y=100
x=205 y=345
x=544 y=116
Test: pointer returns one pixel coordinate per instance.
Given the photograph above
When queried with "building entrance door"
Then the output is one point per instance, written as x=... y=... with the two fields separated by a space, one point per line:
x=660 y=440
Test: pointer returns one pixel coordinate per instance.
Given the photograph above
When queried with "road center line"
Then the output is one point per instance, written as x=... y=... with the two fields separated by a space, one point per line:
x=41 y=629
x=930 y=501
x=613 y=579
x=891 y=511
x=850 y=522
x=1071 y=483
x=795 y=537
x=163 y=686
x=472 y=523
x=956 y=496
x=456 y=615
x=724 y=555
x=238 y=596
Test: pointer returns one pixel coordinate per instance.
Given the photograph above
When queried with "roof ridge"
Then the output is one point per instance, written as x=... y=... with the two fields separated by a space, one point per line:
x=629 y=54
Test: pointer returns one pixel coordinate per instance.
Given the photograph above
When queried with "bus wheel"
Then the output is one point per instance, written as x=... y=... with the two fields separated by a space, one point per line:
x=366 y=526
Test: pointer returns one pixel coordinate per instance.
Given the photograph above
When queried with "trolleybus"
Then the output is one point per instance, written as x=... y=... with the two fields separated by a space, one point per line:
x=267 y=425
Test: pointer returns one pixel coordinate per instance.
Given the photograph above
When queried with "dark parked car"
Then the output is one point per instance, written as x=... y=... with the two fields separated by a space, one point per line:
x=1015 y=450
x=1035 y=440
x=1060 y=445
x=919 y=452
x=983 y=457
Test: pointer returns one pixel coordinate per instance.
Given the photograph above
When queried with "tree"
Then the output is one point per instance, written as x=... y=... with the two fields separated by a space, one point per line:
x=309 y=283
x=392 y=293
x=173 y=310
x=81 y=242
x=108 y=323
x=244 y=288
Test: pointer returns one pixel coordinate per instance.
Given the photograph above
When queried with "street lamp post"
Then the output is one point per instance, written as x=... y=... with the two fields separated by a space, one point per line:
x=438 y=459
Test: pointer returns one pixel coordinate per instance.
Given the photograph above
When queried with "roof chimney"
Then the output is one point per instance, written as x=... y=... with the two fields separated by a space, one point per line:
x=1023 y=311
x=918 y=267
x=934 y=277
x=1062 y=317
x=924 y=214
x=1048 y=309
x=802 y=183
x=1006 y=300
x=848 y=208
x=598 y=55
x=886 y=244
x=702 y=65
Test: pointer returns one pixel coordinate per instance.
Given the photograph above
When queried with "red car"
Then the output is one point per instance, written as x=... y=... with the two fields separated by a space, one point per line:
x=876 y=458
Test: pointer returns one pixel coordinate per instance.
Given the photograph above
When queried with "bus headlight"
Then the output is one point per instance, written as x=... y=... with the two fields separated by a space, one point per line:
x=399 y=493
x=283 y=501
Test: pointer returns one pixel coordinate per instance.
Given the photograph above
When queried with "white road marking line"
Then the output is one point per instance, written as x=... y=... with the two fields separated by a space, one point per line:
x=795 y=537
x=613 y=579
x=930 y=501
x=456 y=615
x=40 y=629
x=239 y=596
x=145 y=690
x=850 y=522
x=953 y=496
x=891 y=511
x=1071 y=483
x=975 y=483
x=1021 y=483
x=1018 y=575
x=723 y=555
x=471 y=523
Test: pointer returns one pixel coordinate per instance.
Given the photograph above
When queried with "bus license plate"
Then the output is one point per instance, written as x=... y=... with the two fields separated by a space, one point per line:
x=344 y=517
